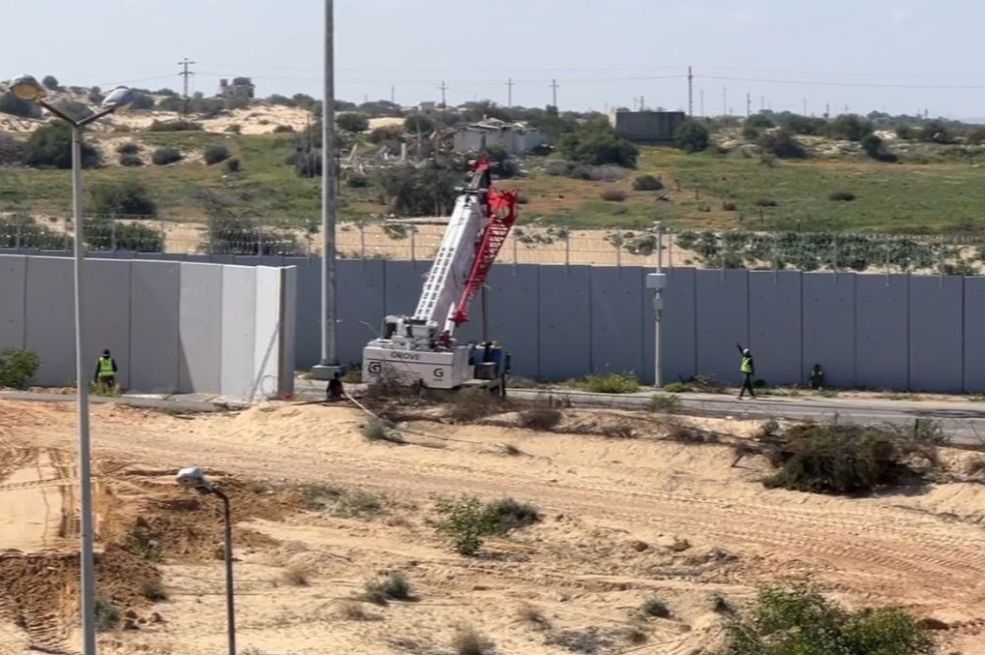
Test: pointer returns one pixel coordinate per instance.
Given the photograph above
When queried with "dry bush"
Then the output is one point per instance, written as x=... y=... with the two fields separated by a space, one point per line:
x=527 y=613
x=377 y=429
x=663 y=403
x=613 y=195
x=468 y=641
x=975 y=467
x=392 y=587
x=474 y=404
x=297 y=576
x=540 y=418
x=654 y=608
x=621 y=431
x=351 y=611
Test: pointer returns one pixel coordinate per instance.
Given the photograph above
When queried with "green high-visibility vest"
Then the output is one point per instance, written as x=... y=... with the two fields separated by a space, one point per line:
x=746 y=365
x=106 y=367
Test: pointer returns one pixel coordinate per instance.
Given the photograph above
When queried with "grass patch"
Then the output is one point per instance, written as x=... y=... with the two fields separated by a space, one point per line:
x=473 y=404
x=467 y=521
x=540 y=418
x=108 y=616
x=105 y=390
x=664 y=403
x=612 y=383
x=141 y=542
x=340 y=502
x=697 y=384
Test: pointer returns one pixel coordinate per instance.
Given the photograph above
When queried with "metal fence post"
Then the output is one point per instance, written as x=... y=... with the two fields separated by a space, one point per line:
x=17 y=232
x=164 y=237
x=362 y=241
x=413 y=242
x=112 y=234
x=259 y=230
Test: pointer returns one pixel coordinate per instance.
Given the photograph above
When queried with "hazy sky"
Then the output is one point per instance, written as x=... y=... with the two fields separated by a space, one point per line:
x=897 y=56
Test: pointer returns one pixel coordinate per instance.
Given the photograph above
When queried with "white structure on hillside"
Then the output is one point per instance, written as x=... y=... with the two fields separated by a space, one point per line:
x=516 y=138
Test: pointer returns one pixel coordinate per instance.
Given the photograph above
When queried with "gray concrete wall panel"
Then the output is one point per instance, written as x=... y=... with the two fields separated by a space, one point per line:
x=238 y=341
x=974 y=334
x=565 y=322
x=678 y=328
x=360 y=294
x=882 y=341
x=308 y=324
x=722 y=319
x=200 y=310
x=285 y=366
x=13 y=277
x=617 y=320
x=936 y=333
x=106 y=312
x=514 y=315
x=829 y=325
x=775 y=326
x=49 y=318
x=267 y=345
x=155 y=290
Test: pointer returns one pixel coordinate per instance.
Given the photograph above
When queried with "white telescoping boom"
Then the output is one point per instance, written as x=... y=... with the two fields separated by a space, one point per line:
x=421 y=349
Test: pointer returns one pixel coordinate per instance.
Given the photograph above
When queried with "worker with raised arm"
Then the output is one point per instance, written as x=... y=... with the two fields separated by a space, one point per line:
x=748 y=368
x=106 y=369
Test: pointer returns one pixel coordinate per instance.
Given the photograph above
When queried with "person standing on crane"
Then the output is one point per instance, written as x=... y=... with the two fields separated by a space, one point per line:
x=748 y=368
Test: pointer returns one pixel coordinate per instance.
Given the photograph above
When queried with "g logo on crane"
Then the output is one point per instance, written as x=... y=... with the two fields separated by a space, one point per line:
x=375 y=368
x=439 y=373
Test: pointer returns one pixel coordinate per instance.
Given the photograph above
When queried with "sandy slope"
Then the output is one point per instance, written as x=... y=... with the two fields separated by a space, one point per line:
x=624 y=519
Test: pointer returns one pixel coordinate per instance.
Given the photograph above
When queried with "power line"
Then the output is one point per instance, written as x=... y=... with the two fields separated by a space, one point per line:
x=554 y=87
x=867 y=85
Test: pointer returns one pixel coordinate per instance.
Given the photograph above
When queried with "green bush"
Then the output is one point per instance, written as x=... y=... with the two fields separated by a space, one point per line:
x=50 y=82
x=128 y=197
x=800 y=621
x=654 y=608
x=663 y=403
x=233 y=235
x=647 y=183
x=503 y=162
x=105 y=390
x=386 y=133
x=597 y=144
x=215 y=153
x=10 y=150
x=142 y=101
x=171 y=103
x=131 y=160
x=676 y=387
x=232 y=165
x=418 y=123
x=612 y=383
x=692 y=136
x=166 y=155
x=174 y=126
x=107 y=615
x=352 y=122
x=467 y=520
x=128 y=148
x=50 y=146
x=849 y=127
x=25 y=232
x=876 y=149
x=107 y=233
x=75 y=110
x=426 y=191
x=17 y=367
x=976 y=136
x=783 y=144
x=613 y=195
x=392 y=587
x=937 y=132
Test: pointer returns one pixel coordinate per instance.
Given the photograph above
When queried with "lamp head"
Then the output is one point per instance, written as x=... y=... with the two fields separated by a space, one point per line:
x=27 y=88
x=193 y=477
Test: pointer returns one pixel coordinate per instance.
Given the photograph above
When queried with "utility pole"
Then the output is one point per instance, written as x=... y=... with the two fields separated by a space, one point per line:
x=444 y=90
x=509 y=93
x=328 y=365
x=554 y=86
x=702 y=95
x=748 y=105
x=642 y=103
x=724 y=101
x=393 y=94
x=185 y=74
x=690 y=92
x=827 y=110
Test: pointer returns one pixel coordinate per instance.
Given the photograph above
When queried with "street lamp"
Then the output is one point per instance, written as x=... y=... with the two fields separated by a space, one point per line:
x=194 y=478
x=27 y=88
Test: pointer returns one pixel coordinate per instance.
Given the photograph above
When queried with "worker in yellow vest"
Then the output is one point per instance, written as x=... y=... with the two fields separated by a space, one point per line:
x=106 y=369
x=748 y=368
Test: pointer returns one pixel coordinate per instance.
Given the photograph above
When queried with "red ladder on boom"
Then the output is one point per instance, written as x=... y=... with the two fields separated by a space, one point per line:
x=500 y=207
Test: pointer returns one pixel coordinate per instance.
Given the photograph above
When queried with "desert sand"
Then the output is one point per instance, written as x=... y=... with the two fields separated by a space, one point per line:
x=624 y=519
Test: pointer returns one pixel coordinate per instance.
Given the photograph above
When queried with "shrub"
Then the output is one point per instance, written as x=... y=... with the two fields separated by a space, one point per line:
x=467 y=520
x=128 y=148
x=104 y=390
x=849 y=127
x=17 y=367
x=596 y=144
x=468 y=641
x=153 y=591
x=236 y=128
x=171 y=103
x=612 y=383
x=937 y=132
x=386 y=133
x=277 y=99
x=558 y=167
x=765 y=202
x=473 y=404
x=692 y=136
x=729 y=206
x=50 y=146
x=297 y=576
x=841 y=196
x=782 y=144
x=142 y=101
x=613 y=195
x=23 y=231
x=10 y=150
x=283 y=129
x=676 y=387
x=876 y=149
x=75 y=110
x=502 y=161
x=357 y=181
x=377 y=429
x=11 y=104
x=662 y=403
x=647 y=183
x=419 y=123
x=174 y=126
x=976 y=136
x=540 y=418
x=107 y=616
x=352 y=122
x=233 y=235
x=166 y=155
x=426 y=191
x=800 y=620
x=232 y=165
x=654 y=608
x=393 y=587
x=215 y=153
x=106 y=233
x=50 y=82
x=128 y=197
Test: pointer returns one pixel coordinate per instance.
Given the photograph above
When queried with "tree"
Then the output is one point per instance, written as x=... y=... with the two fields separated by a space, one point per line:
x=215 y=153
x=875 y=147
x=277 y=99
x=419 y=123
x=10 y=150
x=692 y=136
x=937 y=132
x=975 y=137
x=128 y=197
x=50 y=82
x=166 y=155
x=142 y=101
x=11 y=104
x=303 y=100
x=596 y=144
x=426 y=191
x=352 y=122
x=50 y=146
x=783 y=144
x=850 y=127
x=386 y=133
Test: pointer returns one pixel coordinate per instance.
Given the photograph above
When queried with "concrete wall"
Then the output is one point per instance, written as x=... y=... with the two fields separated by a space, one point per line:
x=648 y=126
x=171 y=326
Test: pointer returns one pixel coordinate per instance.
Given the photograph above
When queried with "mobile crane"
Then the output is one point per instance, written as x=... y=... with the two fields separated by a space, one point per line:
x=421 y=349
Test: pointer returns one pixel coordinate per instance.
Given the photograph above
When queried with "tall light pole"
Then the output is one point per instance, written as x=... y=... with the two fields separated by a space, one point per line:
x=194 y=478
x=657 y=282
x=27 y=88
x=328 y=365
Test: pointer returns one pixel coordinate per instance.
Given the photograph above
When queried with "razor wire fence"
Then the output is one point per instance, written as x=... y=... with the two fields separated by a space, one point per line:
x=527 y=244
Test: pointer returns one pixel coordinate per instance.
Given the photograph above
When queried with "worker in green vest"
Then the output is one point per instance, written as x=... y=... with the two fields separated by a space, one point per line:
x=106 y=369
x=748 y=368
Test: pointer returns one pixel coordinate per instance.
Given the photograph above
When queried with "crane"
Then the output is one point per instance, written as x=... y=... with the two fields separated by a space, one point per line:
x=421 y=348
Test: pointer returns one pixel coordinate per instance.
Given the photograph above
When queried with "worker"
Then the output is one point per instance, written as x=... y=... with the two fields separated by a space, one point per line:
x=106 y=369
x=748 y=368
x=816 y=377
x=335 y=391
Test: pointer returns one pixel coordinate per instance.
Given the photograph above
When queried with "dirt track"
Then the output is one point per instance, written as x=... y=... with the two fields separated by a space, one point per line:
x=708 y=528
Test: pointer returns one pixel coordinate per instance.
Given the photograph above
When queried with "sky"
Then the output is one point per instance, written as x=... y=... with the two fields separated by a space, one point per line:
x=899 y=56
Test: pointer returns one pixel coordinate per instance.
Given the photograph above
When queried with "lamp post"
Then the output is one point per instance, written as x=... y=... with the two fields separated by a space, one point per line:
x=194 y=478
x=27 y=88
